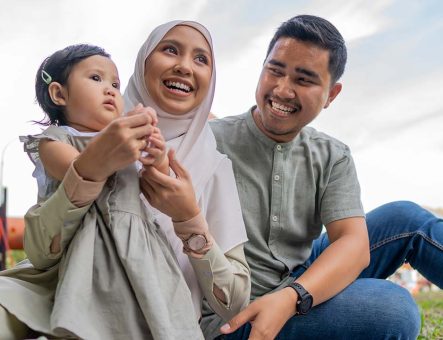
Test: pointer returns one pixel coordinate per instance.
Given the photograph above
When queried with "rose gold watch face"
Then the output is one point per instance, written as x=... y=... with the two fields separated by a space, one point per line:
x=197 y=242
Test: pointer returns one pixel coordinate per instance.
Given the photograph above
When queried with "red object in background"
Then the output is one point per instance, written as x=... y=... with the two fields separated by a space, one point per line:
x=16 y=229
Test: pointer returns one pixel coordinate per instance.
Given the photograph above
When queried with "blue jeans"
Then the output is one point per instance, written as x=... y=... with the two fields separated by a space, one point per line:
x=371 y=307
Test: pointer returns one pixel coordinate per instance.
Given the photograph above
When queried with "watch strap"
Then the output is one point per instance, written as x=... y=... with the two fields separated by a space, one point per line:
x=303 y=295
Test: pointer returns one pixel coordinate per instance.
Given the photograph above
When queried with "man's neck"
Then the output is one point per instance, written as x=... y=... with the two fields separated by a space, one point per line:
x=283 y=138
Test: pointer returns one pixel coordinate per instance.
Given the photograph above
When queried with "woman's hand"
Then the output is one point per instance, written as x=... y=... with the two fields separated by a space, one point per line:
x=174 y=197
x=117 y=146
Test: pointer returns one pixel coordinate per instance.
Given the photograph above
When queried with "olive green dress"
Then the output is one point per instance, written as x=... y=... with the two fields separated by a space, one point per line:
x=117 y=279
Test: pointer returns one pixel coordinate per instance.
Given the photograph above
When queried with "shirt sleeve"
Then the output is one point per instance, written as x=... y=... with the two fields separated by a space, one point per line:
x=230 y=273
x=61 y=214
x=341 y=197
x=224 y=265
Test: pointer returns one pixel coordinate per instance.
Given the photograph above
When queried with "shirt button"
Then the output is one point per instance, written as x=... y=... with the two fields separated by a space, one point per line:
x=276 y=177
x=278 y=147
x=275 y=218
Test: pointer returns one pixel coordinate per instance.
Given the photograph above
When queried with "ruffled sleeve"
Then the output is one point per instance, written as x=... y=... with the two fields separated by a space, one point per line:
x=46 y=184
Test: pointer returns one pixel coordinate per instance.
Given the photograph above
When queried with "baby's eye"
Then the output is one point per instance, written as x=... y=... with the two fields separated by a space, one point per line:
x=116 y=85
x=202 y=59
x=96 y=77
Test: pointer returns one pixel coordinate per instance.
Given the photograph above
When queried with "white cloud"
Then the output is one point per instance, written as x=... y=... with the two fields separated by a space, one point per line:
x=375 y=99
x=359 y=19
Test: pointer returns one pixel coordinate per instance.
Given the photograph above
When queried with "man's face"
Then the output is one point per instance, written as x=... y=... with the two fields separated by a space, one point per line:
x=294 y=86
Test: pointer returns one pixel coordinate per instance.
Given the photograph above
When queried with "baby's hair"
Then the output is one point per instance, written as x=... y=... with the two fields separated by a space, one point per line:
x=57 y=67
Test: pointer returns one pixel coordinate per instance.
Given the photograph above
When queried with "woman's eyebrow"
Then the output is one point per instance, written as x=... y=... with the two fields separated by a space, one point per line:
x=171 y=41
x=181 y=45
x=201 y=50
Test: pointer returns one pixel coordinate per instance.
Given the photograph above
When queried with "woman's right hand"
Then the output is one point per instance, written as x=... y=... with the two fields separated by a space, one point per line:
x=173 y=196
x=117 y=146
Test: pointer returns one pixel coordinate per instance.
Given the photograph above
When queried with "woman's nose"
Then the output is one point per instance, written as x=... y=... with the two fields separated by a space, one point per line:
x=183 y=67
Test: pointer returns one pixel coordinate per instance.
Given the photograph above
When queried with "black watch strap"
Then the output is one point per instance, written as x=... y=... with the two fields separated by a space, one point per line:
x=304 y=301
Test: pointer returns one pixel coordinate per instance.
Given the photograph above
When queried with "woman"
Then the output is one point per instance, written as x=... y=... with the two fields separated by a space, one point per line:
x=223 y=278
x=175 y=74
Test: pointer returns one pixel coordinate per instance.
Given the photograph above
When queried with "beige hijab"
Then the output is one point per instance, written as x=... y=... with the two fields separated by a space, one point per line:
x=194 y=142
x=189 y=134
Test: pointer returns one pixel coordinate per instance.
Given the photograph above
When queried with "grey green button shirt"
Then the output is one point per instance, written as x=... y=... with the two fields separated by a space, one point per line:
x=288 y=191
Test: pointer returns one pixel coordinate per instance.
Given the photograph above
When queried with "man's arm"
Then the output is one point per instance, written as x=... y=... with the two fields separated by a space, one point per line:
x=338 y=266
x=341 y=262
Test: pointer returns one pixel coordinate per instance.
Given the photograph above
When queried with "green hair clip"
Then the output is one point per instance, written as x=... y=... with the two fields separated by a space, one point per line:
x=46 y=77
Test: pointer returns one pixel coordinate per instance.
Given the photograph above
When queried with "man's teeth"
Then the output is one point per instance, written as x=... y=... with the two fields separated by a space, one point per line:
x=282 y=107
x=178 y=85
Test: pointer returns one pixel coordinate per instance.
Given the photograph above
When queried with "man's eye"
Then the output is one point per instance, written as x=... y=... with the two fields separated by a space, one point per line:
x=304 y=81
x=96 y=77
x=275 y=71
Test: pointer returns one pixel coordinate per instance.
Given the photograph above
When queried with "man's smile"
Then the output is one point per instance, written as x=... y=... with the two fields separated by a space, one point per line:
x=282 y=110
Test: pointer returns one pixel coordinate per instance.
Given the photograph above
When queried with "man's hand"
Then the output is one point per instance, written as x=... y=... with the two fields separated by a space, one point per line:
x=267 y=315
x=174 y=197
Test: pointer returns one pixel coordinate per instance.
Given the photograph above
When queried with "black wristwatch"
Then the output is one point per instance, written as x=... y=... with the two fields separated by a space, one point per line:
x=304 y=301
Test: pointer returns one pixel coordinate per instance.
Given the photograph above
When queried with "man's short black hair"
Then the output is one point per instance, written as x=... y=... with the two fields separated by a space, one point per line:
x=321 y=33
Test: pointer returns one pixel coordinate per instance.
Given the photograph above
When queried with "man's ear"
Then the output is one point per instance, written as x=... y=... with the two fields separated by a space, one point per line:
x=57 y=93
x=333 y=92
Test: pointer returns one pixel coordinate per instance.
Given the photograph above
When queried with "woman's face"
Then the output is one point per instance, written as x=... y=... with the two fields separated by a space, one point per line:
x=178 y=71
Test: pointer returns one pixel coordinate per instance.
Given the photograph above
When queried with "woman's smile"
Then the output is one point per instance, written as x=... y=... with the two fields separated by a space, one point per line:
x=179 y=87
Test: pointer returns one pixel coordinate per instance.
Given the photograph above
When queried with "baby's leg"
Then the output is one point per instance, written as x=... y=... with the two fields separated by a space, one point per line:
x=11 y=327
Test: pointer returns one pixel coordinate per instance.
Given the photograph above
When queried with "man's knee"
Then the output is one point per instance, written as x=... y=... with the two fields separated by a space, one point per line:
x=366 y=309
x=391 y=310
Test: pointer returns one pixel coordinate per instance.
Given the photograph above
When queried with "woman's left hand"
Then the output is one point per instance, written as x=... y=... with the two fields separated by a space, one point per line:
x=174 y=197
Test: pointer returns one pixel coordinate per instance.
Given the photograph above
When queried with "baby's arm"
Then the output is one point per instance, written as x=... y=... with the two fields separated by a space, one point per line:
x=49 y=223
x=156 y=150
x=56 y=157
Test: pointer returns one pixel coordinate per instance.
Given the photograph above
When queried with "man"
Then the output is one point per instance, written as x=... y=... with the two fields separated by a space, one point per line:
x=292 y=180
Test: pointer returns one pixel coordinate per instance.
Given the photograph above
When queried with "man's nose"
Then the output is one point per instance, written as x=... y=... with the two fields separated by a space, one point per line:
x=285 y=88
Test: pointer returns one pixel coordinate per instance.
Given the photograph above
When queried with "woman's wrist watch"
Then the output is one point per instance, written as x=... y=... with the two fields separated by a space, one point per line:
x=195 y=243
x=304 y=300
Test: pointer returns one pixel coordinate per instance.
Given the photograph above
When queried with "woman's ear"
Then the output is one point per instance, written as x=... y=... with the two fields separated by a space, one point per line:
x=57 y=93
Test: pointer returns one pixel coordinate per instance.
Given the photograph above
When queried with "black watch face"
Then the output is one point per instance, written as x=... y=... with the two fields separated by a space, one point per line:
x=305 y=305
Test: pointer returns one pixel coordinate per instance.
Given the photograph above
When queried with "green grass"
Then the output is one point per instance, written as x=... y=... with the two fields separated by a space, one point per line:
x=15 y=257
x=431 y=309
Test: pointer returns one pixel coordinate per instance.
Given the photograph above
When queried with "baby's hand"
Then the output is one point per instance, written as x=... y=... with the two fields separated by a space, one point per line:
x=149 y=111
x=156 y=149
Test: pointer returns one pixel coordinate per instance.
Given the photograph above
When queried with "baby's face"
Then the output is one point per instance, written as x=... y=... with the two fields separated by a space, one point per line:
x=92 y=94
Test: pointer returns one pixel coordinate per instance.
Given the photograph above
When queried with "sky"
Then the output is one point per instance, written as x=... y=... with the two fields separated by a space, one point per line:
x=390 y=111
